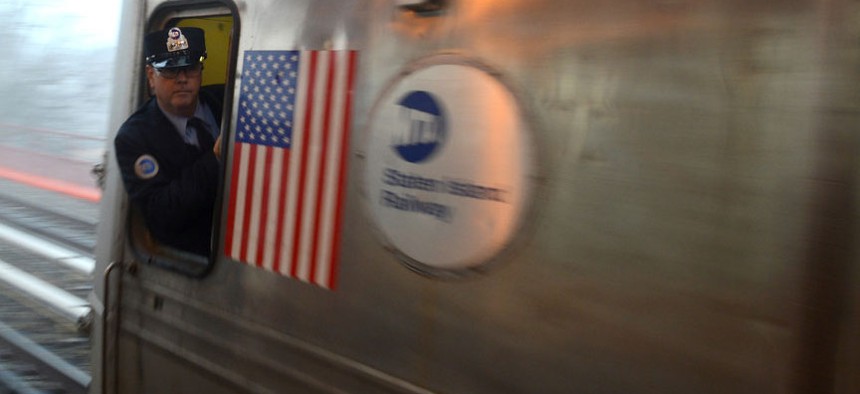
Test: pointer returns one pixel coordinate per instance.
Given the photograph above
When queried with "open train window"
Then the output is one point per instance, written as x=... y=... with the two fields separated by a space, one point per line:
x=218 y=21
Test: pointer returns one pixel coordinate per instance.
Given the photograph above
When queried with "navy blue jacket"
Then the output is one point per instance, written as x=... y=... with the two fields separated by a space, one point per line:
x=172 y=183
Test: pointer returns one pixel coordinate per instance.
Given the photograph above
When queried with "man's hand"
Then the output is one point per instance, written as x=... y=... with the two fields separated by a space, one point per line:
x=217 y=148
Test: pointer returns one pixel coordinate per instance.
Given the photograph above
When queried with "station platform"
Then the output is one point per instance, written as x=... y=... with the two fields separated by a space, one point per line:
x=69 y=177
x=56 y=201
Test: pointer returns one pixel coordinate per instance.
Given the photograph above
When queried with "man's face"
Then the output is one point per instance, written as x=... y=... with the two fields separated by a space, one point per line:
x=177 y=95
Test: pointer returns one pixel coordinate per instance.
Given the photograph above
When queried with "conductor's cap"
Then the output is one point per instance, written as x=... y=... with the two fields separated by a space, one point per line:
x=175 y=47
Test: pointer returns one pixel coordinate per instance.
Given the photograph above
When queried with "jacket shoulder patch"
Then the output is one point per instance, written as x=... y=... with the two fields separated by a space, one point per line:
x=146 y=167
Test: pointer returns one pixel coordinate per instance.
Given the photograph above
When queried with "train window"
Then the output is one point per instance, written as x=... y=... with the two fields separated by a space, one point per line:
x=183 y=246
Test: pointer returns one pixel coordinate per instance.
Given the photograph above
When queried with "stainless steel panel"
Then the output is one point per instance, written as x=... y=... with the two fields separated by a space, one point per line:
x=694 y=219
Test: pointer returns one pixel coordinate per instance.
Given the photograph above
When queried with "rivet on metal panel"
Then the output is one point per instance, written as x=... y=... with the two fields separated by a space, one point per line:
x=422 y=7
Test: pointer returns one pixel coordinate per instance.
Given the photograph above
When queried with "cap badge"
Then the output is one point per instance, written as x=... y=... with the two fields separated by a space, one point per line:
x=145 y=167
x=176 y=41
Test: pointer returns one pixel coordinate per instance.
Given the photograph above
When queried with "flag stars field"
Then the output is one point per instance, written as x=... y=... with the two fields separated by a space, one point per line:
x=288 y=175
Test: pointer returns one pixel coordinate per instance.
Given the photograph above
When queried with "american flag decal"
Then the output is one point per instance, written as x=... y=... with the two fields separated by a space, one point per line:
x=289 y=162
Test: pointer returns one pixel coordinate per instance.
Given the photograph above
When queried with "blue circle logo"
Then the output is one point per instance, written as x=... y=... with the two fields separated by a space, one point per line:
x=145 y=167
x=423 y=127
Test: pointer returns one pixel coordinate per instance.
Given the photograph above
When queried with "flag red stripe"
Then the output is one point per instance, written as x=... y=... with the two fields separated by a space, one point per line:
x=264 y=206
x=234 y=187
x=309 y=201
x=282 y=192
x=249 y=192
x=317 y=228
x=312 y=65
x=341 y=186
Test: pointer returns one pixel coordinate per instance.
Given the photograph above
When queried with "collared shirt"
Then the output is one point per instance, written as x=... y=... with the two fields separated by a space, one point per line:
x=181 y=123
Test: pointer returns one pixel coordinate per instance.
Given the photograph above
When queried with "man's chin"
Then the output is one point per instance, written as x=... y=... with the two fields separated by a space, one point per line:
x=183 y=96
x=184 y=105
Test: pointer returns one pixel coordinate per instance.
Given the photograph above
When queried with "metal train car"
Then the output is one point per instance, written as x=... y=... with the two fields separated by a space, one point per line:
x=506 y=196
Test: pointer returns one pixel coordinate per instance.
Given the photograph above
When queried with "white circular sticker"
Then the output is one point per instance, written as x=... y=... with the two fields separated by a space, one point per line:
x=449 y=165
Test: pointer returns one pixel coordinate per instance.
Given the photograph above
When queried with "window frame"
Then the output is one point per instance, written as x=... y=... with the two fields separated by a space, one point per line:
x=141 y=244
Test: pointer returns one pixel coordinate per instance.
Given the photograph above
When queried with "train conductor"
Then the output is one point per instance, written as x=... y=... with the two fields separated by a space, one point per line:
x=168 y=151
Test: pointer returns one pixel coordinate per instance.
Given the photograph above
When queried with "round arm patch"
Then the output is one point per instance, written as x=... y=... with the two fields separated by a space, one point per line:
x=145 y=167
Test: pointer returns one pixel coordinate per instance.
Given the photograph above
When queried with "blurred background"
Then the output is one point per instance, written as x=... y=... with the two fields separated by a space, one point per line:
x=56 y=76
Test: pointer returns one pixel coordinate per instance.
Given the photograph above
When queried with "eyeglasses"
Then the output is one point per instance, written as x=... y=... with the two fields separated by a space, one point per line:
x=172 y=73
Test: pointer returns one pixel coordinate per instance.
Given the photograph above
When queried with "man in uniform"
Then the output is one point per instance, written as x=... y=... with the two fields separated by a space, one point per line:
x=168 y=151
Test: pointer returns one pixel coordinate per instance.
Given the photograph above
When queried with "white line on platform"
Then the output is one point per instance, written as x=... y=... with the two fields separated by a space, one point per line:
x=67 y=304
x=47 y=249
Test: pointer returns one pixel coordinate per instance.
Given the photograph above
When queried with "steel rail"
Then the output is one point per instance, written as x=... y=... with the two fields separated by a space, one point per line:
x=45 y=213
x=48 y=249
x=64 y=303
x=49 y=364
x=16 y=384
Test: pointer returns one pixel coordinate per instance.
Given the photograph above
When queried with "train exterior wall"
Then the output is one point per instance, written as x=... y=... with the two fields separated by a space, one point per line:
x=690 y=224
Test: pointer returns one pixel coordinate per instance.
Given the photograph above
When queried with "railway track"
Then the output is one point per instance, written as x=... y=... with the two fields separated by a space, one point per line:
x=46 y=268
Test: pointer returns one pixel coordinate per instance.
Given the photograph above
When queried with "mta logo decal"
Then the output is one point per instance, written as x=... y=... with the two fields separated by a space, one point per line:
x=424 y=129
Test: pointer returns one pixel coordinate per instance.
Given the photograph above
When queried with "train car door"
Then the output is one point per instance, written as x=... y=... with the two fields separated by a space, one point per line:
x=129 y=356
x=219 y=32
